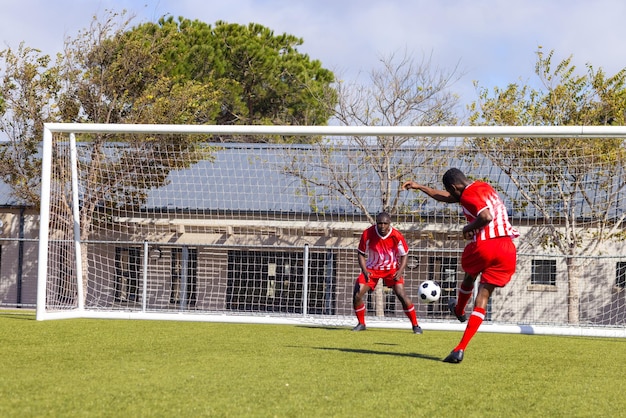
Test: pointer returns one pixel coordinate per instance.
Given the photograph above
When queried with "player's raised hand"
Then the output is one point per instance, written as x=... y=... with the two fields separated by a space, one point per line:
x=408 y=185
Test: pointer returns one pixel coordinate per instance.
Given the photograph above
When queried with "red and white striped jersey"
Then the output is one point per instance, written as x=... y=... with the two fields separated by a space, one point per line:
x=479 y=196
x=382 y=253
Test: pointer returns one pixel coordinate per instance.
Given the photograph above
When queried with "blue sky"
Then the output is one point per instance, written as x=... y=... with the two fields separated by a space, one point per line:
x=493 y=42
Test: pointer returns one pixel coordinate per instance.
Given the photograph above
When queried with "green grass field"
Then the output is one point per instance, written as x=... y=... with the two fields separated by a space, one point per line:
x=112 y=368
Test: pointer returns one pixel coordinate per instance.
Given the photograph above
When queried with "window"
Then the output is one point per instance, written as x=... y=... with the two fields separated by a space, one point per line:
x=272 y=281
x=127 y=272
x=620 y=274
x=184 y=286
x=444 y=271
x=543 y=272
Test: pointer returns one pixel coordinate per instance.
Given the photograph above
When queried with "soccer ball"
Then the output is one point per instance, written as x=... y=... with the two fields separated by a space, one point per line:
x=429 y=291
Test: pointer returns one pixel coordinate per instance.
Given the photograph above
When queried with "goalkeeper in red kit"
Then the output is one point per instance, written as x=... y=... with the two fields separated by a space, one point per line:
x=382 y=254
x=490 y=254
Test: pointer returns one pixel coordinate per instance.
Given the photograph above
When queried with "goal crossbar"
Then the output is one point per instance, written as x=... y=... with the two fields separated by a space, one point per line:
x=579 y=131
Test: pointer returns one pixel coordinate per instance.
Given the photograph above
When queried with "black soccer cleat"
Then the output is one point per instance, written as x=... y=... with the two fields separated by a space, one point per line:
x=452 y=307
x=417 y=330
x=359 y=327
x=454 y=357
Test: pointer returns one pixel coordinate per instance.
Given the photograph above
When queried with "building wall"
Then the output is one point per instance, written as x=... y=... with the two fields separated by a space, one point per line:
x=19 y=248
x=601 y=301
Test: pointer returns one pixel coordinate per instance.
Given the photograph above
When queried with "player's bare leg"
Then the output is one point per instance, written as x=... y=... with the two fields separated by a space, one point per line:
x=359 y=306
x=408 y=307
x=484 y=293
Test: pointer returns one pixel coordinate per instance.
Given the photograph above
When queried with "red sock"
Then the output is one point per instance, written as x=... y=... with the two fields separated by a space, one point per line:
x=464 y=296
x=475 y=319
x=360 y=313
x=410 y=313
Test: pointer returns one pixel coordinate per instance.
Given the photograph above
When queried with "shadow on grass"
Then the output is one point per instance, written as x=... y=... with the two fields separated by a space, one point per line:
x=381 y=353
x=327 y=328
x=344 y=328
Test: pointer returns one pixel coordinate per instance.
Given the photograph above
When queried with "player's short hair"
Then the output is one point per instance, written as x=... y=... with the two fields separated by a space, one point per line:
x=383 y=215
x=453 y=176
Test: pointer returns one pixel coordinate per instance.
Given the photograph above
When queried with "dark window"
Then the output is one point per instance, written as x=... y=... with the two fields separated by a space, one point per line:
x=620 y=274
x=127 y=272
x=443 y=271
x=543 y=272
x=273 y=281
x=184 y=291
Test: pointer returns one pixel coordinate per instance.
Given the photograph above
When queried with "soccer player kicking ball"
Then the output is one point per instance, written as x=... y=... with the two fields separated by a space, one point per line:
x=490 y=254
x=382 y=254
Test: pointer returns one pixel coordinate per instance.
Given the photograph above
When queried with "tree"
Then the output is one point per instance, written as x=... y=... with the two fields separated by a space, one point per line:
x=116 y=75
x=28 y=88
x=261 y=77
x=400 y=92
x=172 y=72
x=573 y=184
x=110 y=73
x=106 y=75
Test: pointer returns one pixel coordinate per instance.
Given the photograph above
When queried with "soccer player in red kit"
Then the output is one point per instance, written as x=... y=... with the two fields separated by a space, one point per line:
x=490 y=254
x=382 y=254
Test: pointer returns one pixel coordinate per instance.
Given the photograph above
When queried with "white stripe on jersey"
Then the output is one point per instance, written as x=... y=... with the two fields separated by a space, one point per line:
x=500 y=225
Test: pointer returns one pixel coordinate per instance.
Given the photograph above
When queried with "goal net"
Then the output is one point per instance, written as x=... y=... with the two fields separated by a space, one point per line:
x=261 y=223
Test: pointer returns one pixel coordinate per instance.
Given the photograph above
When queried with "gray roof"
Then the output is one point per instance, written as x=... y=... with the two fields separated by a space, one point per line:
x=248 y=177
x=243 y=178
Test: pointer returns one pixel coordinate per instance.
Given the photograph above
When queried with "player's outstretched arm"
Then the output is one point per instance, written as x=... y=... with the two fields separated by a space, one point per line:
x=439 y=195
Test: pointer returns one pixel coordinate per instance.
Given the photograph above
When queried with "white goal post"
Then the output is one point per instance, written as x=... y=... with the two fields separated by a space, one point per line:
x=260 y=223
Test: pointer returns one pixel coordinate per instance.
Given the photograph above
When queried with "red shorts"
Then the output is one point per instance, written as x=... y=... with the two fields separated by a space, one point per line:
x=494 y=258
x=386 y=275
